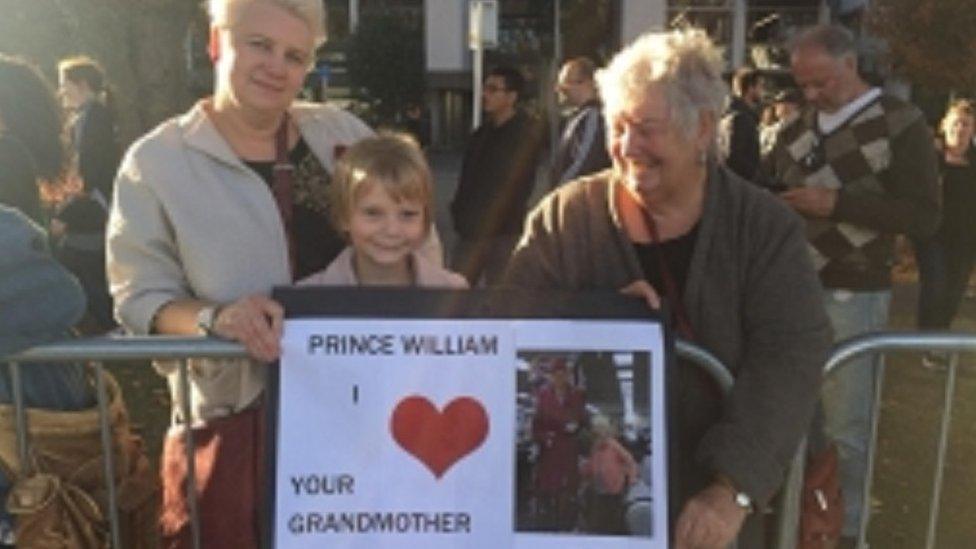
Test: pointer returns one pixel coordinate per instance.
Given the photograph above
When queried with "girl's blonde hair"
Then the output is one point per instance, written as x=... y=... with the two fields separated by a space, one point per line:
x=224 y=13
x=391 y=159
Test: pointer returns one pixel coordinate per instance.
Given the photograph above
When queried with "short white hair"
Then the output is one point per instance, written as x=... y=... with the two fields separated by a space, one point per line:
x=224 y=13
x=684 y=62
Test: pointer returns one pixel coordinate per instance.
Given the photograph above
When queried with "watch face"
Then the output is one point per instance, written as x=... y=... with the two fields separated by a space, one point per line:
x=743 y=500
x=205 y=319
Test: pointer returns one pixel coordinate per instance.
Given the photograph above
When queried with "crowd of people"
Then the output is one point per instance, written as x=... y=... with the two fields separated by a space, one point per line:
x=769 y=237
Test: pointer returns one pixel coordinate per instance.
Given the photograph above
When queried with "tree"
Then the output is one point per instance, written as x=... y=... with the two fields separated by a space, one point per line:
x=932 y=43
x=386 y=63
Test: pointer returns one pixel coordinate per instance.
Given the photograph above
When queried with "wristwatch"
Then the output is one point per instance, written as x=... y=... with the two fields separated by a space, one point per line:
x=742 y=499
x=206 y=318
x=739 y=498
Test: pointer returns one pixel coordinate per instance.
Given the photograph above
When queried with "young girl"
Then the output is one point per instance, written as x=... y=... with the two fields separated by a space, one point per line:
x=383 y=201
x=611 y=470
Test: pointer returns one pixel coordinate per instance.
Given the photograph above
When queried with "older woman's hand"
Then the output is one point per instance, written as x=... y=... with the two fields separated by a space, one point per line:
x=255 y=321
x=710 y=520
x=643 y=289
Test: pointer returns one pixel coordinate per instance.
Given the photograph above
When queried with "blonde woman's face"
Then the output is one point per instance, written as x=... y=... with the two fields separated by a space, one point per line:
x=958 y=128
x=263 y=59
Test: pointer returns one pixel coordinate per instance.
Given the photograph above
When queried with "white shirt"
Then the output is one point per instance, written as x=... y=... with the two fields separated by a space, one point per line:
x=829 y=122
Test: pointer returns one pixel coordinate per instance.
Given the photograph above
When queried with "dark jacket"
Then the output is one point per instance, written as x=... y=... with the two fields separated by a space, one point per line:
x=39 y=302
x=752 y=297
x=582 y=146
x=738 y=139
x=97 y=146
x=497 y=178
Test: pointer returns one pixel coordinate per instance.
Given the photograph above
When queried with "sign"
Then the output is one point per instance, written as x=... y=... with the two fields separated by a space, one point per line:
x=483 y=24
x=400 y=426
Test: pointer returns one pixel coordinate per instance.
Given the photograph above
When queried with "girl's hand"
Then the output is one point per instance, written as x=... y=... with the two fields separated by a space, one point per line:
x=254 y=321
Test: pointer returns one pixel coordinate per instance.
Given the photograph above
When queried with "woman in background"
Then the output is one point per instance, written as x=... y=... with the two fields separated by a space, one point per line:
x=946 y=259
x=92 y=131
x=39 y=300
x=31 y=145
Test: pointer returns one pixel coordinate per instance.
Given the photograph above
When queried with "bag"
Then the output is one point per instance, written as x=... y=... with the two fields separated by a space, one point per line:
x=229 y=468
x=821 y=502
x=63 y=502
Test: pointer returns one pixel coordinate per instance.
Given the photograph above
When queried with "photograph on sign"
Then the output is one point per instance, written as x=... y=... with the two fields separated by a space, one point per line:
x=584 y=443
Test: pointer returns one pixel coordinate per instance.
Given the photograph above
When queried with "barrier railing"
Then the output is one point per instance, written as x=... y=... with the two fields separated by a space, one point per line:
x=850 y=349
x=101 y=350
x=173 y=348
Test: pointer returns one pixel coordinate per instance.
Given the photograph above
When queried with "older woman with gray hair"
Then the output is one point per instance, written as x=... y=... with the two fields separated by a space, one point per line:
x=668 y=221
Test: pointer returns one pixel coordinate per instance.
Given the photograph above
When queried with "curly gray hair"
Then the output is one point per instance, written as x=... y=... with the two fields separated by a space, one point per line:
x=684 y=62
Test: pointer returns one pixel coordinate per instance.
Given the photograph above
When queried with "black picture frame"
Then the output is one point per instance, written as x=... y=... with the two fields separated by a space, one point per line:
x=476 y=304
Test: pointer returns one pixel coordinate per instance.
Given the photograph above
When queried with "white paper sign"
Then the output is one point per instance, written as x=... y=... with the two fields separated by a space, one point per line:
x=470 y=433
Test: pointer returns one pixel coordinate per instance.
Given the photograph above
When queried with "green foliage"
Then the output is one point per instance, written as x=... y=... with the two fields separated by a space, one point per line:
x=932 y=42
x=386 y=63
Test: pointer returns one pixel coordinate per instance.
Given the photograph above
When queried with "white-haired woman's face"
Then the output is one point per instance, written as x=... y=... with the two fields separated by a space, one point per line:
x=263 y=59
x=651 y=154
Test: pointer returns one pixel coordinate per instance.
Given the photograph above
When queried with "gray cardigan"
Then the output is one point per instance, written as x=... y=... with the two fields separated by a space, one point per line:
x=752 y=297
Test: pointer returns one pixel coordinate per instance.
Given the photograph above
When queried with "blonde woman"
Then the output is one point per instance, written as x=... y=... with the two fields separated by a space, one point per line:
x=212 y=209
x=946 y=259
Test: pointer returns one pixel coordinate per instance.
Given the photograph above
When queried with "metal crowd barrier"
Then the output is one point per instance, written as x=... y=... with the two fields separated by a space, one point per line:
x=161 y=347
x=99 y=350
x=859 y=346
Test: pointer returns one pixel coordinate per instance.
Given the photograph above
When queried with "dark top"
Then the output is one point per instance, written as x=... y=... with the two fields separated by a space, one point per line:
x=497 y=178
x=317 y=241
x=18 y=178
x=81 y=249
x=958 y=202
x=83 y=214
x=582 y=146
x=677 y=255
x=97 y=145
x=739 y=139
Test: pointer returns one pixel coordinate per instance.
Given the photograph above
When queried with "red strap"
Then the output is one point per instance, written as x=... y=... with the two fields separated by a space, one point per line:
x=670 y=288
x=283 y=189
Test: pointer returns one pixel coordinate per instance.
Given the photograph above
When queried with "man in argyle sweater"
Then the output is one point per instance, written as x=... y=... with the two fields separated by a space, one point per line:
x=860 y=166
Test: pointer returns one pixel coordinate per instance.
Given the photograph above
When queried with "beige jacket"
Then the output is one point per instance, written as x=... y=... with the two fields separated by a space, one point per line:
x=190 y=220
x=341 y=273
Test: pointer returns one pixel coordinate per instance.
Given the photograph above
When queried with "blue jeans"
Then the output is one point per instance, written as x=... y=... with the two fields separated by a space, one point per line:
x=848 y=394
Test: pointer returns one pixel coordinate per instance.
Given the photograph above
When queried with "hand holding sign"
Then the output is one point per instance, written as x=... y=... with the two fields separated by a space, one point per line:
x=439 y=439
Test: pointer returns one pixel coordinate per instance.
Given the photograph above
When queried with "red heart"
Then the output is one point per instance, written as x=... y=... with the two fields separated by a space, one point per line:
x=439 y=439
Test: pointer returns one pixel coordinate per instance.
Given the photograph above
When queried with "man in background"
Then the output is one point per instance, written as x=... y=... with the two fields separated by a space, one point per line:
x=860 y=166
x=497 y=179
x=739 y=129
x=582 y=147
